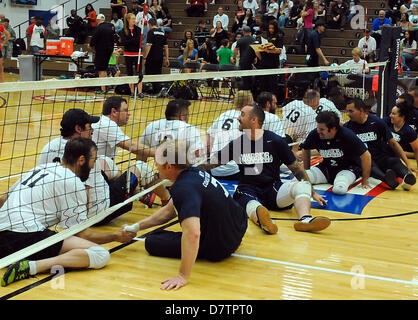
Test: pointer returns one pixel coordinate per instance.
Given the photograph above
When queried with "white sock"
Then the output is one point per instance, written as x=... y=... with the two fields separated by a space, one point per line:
x=32 y=268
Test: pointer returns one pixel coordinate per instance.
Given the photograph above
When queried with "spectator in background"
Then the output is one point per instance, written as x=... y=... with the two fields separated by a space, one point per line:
x=408 y=50
x=118 y=7
x=294 y=14
x=76 y=27
x=202 y=33
x=36 y=36
x=238 y=36
x=7 y=48
x=225 y=57
x=240 y=10
x=164 y=20
x=90 y=17
x=404 y=23
x=3 y=42
x=207 y=53
x=188 y=35
x=117 y=22
x=190 y=54
x=314 y=47
x=134 y=8
x=407 y=7
x=377 y=23
x=102 y=42
x=272 y=11
x=284 y=14
x=320 y=13
x=307 y=15
x=356 y=61
x=141 y=20
x=245 y=20
x=395 y=10
x=339 y=13
x=53 y=29
x=368 y=46
x=413 y=18
x=253 y=5
x=223 y=18
x=197 y=8
x=130 y=40
x=218 y=34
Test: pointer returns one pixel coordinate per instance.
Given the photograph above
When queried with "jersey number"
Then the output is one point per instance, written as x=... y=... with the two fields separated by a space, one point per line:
x=34 y=173
x=294 y=118
x=216 y=183
x=227 y=124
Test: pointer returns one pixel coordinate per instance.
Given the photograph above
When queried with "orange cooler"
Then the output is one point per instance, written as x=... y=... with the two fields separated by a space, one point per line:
x=66 y=46
x=53 y=47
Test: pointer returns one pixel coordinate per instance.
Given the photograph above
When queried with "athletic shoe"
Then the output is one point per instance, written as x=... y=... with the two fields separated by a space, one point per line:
x=140 y=96
x=15 y=272
x=307 y=223
x=148 y=199
x=264 y=220
x=390 y=179
x=408 y=181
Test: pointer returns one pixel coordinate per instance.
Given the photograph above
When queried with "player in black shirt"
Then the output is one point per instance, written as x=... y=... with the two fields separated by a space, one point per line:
x=386 y=152
x=259 y=155
x=213 y=223
x=341 y=151
x=401 y=131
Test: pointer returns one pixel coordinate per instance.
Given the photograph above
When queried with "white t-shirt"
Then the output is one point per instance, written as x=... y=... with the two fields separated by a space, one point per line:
x=271 y=8
x=99 y=193
x=38 y=34
x=299 y=117
x=162 y=129
x=367 y=46
x=44 y=197
x=107 y=135
x=251 y=5
x=353 y=63
x=286 y=10
x=328 y=105
x=224 y=19
x=273 y=123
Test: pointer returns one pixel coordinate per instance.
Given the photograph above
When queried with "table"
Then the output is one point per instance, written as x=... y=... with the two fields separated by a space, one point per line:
x=40 y=57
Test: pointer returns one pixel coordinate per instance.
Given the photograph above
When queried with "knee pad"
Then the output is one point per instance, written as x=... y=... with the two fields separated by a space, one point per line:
x=342 y=182
x=111 y=170
x=146 y=172
x=99 y=257
x=316 y=176
x=302 y=189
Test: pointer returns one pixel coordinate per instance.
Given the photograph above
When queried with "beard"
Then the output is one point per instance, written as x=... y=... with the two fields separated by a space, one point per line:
x=84 y=172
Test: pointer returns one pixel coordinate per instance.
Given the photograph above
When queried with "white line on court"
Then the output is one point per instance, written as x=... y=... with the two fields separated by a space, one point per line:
x=354 y=274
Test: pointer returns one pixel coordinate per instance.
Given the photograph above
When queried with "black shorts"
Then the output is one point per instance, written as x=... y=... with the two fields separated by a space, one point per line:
x=118 y=194
x=10 y=242
x=153 y=67
x=101 y=61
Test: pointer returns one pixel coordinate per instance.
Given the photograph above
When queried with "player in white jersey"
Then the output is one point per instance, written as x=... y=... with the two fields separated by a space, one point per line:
x=174 y=127
x=104 y=190
x=109 y=137
x=53 y=195
x=225 y=129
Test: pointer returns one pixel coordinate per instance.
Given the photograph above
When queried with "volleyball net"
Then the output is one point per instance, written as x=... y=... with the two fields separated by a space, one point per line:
x=31 y=115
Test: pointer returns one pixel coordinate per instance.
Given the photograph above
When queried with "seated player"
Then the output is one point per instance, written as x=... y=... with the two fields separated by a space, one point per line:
x=106 y=185
x=109 y=136
x=259 y=154
x=212 y=222
x=386 y=152
x=268 y=102
x=340 y=149
x=401 y=131
x=47 y=196
x=174 y=127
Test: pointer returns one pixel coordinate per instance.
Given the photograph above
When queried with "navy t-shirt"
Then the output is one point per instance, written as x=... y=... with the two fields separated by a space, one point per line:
x=339 y=153
x=374 y=133
x=223 y=221
x=259 y=161
x=405 y=136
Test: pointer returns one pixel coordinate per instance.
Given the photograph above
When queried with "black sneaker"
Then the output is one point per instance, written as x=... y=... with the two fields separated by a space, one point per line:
x=15 y=272
x=140 y=96
x=390 y=179
x=408 y=181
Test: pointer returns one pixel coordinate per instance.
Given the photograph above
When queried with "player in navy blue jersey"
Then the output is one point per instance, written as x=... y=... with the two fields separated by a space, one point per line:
x=342 y=152
x=401 y=131
x=213 y=223
x=386 y=152
x=259 y=154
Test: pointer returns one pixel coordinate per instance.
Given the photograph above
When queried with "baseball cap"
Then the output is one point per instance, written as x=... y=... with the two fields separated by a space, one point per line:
x=246 y=29
x=73 y=117
x=100 y=17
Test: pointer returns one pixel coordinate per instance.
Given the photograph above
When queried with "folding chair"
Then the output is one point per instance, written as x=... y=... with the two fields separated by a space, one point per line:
x=229 y=81
x=211 y=82
x=194 y=67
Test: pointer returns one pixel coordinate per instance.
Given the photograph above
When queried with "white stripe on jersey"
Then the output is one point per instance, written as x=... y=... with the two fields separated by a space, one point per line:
x=299 y=117
x=162 y=129
x=99 y=192
x=42 y=198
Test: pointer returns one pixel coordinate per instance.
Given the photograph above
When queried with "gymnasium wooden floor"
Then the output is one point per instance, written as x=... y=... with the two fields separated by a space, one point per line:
x=371 y=255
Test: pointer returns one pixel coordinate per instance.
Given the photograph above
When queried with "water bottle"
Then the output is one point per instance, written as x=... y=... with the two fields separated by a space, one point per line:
x=408 y=72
